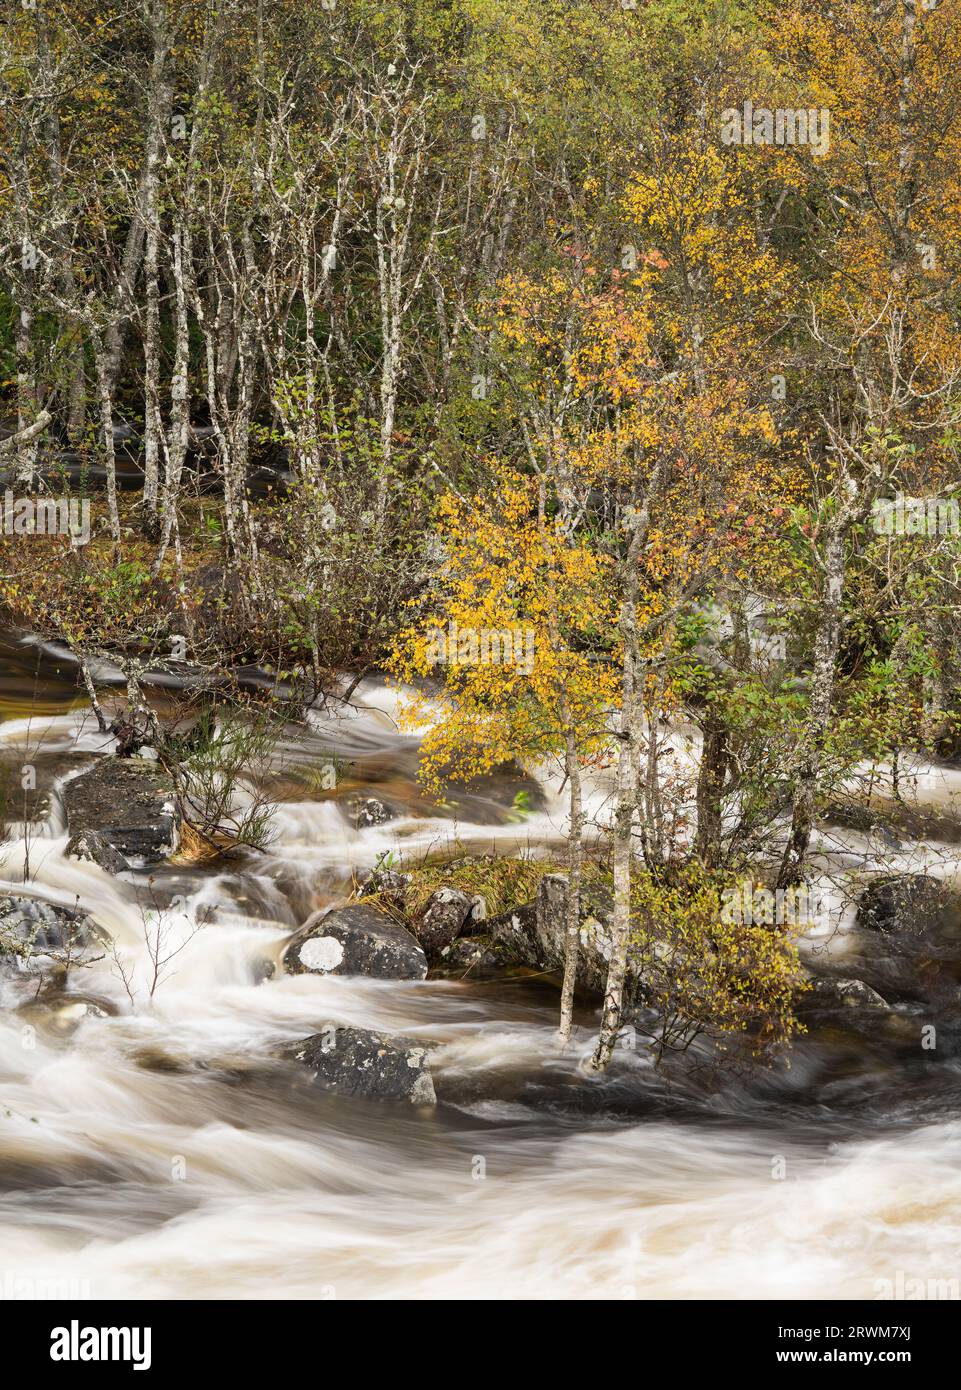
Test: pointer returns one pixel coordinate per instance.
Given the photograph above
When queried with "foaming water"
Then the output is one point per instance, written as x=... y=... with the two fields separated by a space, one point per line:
x=154 y=1144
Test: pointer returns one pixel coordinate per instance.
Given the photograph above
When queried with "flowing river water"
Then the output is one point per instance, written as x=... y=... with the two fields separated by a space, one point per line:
x=159 y=1149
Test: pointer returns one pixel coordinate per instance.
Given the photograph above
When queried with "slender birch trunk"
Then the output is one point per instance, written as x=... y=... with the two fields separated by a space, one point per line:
x=810 y=757
x=91 y=689
x=175 y=450
x=575 y=855
x=101 y=359
x=159 y=101
x=27 y=400
x=625 y=806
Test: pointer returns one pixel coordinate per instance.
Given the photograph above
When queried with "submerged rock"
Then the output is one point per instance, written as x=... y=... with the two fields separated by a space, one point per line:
x=904 y=903
x=446 y=914
x=358 y=939
x=356 y=1062
x=60 y=1015
x=129 y=804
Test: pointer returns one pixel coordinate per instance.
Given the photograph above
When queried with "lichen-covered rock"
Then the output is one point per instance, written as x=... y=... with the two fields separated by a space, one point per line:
x=369 y=811
x=129 y=803
x=91 y=846
x=473 y=953
x=30 y=927
x=358 y=939
x=387 y=883
x=443 y=918
x=534 y=934
x=908 y=904
x=356 y=1062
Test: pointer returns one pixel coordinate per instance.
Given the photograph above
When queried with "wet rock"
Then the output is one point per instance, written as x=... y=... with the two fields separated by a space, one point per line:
x=91 y=846
x=388 y=883
x=36 y=802
x=30 y=929
x=356 y=1062
x=264 y=970
x=443 y=918
x=515 y=930
x=358 y=939
x=473 y=953
x=534 y=933
x=851 y=816
x=507 y=794
x=864 y=819
x=42 y=925
x=62 y=1016
x=853 y=994
x=907 y=904
x=129 y=803
x=368 y=812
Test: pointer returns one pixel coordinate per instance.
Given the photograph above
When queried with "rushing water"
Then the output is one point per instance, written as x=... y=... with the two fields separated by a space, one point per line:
x=158 y=1148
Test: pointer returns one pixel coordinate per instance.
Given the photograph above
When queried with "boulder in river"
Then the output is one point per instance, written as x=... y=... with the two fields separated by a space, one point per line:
x=368 y=811
x=534 y=933
x=852 y=994
x=445 y=915
x=906 y=904
x=358 y=939
x=387 y=883
x=129 y=803
x=357 y=1062
x=36 y=803
x=91 y=846
x=474 y=954
x=31 y=927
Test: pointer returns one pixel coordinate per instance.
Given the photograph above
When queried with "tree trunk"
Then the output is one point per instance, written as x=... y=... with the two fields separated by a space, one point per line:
x=92 y=694
x=624 y=812
x=574 y=858
x=176 y=445
x=158 y=111
x=819 y=710
x=27 y=402
x=105 y=398
x=710 y=787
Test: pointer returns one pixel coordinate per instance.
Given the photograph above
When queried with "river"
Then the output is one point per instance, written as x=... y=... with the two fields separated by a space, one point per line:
x=155 y=1148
